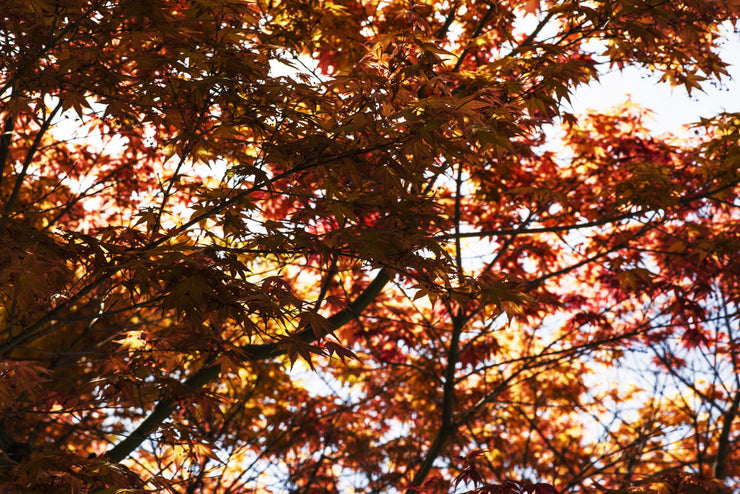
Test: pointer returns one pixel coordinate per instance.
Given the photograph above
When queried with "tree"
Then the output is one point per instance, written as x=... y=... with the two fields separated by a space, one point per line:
x=314 y=246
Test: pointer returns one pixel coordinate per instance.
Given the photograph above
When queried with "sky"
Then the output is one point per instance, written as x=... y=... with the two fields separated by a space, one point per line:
x=671 y=107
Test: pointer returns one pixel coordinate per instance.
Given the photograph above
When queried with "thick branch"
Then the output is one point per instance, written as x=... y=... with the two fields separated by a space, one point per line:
x=530 y=39
x=506 y=232
x=442 y=31
x=29 y=157
x=265 y=181
x=5 y=143
x=478 y=30
x=208 y=373
x=37 y=327
x=447 y=428
x=723 y=443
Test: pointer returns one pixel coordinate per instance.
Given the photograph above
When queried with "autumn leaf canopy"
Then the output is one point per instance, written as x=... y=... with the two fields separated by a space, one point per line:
x=316 y=246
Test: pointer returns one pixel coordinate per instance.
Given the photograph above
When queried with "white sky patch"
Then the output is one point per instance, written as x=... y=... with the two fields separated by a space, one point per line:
x=672 y=107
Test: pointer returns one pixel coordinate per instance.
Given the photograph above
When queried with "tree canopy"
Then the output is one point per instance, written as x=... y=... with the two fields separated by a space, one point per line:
x=318 y=246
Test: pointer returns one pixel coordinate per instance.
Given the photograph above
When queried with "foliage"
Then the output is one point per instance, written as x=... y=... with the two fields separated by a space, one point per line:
x=330 y=246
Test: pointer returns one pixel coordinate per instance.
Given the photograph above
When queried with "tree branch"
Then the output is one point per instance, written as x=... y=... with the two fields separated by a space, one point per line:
x=709 y=195
x=723 y=442
x=36 y=328
x=442 y=31
x=5 y=143
x=209 y=372
x=29 y=158
x=448 y=426
x=549 y=229
x=478 y=30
